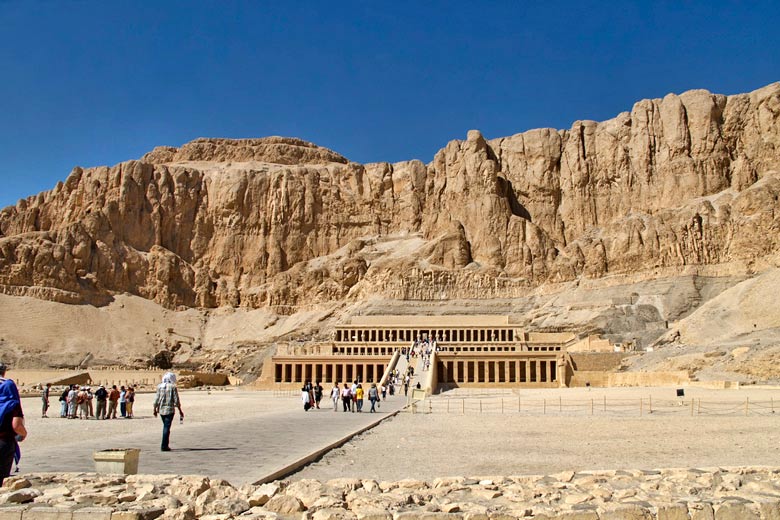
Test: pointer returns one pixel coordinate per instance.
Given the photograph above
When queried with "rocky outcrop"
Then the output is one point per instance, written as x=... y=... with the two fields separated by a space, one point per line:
x=278 y=222
x=722 y=493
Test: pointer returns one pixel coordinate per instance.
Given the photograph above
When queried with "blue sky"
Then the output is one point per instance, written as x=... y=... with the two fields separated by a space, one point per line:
x=92 y=83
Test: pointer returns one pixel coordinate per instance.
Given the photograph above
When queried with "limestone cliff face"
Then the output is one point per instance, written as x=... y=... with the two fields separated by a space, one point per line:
x=684 y=180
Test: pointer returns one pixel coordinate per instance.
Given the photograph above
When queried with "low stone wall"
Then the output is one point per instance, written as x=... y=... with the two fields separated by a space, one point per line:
x=748 y=493
x=612 y=379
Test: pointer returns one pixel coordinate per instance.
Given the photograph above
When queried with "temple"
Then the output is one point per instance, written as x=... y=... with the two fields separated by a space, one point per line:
x=471 y=351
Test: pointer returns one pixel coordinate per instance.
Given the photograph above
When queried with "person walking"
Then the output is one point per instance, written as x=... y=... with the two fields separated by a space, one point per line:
x=359 y=398
x=166 y=401
x=335 y=394
x=101 y=394
x=12 y=430
x=373 y=395
x=306 y=397
x=113 y=400
x=346 y=397
x=317 y=394
x=45 y=399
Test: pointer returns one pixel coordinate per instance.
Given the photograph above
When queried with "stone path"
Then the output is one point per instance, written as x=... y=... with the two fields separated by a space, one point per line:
x=239 y=451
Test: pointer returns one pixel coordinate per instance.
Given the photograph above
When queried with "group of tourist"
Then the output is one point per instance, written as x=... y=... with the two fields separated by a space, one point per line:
x=351 y=397
x=79 y=402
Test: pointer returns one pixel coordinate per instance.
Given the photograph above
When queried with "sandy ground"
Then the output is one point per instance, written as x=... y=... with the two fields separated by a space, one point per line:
x=430 y=445
x=554 y=431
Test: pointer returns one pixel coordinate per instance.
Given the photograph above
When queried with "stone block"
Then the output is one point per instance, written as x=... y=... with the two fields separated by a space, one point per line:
x=701 y=511
x=673 y=512
x=578 y=515
x=627 y=513
x=47 y=513
x=126 y=515
x=735 y=512
x=12 y=513
x=769 y=510
x=92 y=513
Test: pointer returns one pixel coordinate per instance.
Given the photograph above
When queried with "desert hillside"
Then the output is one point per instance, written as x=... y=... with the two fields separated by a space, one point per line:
x=621 y=227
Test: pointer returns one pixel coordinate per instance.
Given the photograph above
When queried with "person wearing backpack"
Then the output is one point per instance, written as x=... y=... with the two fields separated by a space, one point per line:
x=101 y=394
x=12 y=430
x=64 y=403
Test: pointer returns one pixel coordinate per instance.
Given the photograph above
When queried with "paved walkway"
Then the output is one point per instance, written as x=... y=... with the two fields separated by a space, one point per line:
x=239 y=451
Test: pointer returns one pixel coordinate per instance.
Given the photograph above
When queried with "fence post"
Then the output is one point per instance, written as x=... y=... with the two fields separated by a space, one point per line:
x=591 y=406
x=772 y=403
x=544 y=406
x=560 y=405
x=650 y=400
x=698 y=410
x=463 y=406
x=502 y=406
x=480 y=406
x=641 y=404
x=519 y=407
x=747 y=405
x=448 y=406
x=605 y=403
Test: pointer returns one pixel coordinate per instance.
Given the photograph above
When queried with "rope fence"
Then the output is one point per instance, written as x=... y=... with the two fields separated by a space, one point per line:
x=603 y=406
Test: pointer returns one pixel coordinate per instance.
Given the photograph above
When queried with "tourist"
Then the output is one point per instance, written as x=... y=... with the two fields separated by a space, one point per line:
x=406 y=385
x=166 y=401
x=12 y=430
x=122 y=401
x=383 y=389
x=373 y=396
x=130 y=397
x=335 y=394
x=45 y=399
x=72 y=395
x=306 y=397
x=353 y=393
x=90 y=409
x=318 y=394
x=346 y=397
x=100 y=396
x=359 y=397
x=64 y=403
x=81 y=401
x=113 y=399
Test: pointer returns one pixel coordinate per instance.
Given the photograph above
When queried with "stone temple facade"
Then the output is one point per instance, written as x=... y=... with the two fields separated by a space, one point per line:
x=471 y=351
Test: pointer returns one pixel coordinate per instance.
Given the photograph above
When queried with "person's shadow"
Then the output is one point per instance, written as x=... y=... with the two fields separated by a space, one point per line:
x=202 y=449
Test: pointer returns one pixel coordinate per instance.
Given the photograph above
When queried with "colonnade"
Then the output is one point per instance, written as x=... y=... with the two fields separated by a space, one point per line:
x=497 y=371
x=407 y=335
x=330 y=372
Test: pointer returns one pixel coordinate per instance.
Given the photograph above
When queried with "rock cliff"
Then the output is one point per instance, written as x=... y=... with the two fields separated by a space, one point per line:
x=280 y=223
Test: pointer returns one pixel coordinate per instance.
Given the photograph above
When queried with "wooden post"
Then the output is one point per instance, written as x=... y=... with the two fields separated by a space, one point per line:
x=480 y=406
x=502 y=406
x=698 y=410
x=650 y=400
x=591 y=406
x=641 y=403
x=560 y=404
x=519 y=406
x=463 y=406
x=544 y=406
x=605 y=403
x=747 y=405
x=772 y=403
x=448 y=406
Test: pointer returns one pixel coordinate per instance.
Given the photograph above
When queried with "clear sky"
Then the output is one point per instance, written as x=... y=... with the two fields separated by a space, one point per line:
x=91 y=83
